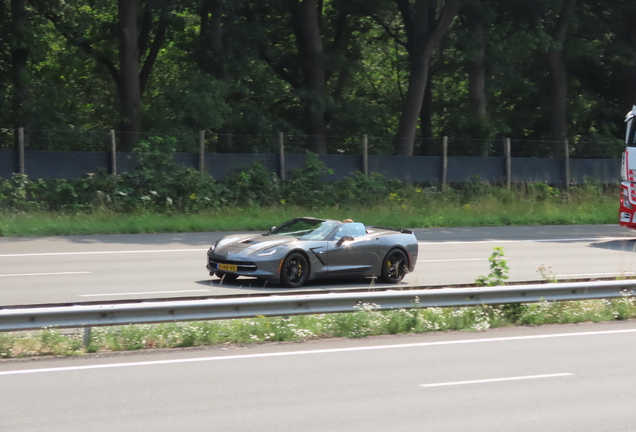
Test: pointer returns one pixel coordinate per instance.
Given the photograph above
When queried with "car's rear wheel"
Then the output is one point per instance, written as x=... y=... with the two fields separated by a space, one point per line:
x=394 y=266
x=226 y=277
x=294 y=271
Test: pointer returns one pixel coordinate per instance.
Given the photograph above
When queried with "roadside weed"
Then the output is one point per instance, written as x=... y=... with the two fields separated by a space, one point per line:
x=498 y=270
x=546 y=273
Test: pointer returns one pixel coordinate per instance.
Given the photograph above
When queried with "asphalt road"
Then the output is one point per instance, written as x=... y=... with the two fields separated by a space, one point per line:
x=71 y=269
x=574 y=378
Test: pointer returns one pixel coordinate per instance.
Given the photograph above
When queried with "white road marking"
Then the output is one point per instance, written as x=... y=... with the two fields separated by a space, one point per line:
x=309 y=352
x=43 y=274
x=595 y=274
x=458 y=259
x=143 y=293
x=103 y=252
x=496 y=380
x=527 y=241
x=204 y=250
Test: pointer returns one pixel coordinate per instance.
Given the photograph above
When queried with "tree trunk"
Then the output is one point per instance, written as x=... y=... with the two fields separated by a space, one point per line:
x=211 y=58
x=558 y=77
x=129 y=84
x=558 y=95
x=130 y=79
x=420 y=51
x=19 y=58
x=305 y=20
x=630 y=33
x=5 y=51
x=426 y=123
x=473 y=16
x=418 y=75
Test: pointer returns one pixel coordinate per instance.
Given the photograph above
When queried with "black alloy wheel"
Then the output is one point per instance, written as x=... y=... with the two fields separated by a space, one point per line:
x=294 y=271
x=394 y=266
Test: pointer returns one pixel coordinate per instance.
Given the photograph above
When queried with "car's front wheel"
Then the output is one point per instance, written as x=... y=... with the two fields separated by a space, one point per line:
x=294 y=271
x=394 y=266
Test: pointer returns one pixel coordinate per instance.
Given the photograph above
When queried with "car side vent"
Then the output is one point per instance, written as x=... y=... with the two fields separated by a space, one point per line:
x=247 y=241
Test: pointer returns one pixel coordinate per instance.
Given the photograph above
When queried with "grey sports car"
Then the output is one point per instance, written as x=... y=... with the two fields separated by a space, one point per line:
x=304 y=249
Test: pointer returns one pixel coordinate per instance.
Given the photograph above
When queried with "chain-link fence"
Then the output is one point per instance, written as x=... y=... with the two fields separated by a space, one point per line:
x=190 y=142
x=73 y=154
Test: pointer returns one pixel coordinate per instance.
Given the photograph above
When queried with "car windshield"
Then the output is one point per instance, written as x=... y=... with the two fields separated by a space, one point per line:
x=306 y=229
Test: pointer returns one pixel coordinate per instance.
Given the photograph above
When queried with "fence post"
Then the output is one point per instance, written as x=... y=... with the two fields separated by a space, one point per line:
x=281 y=155
x=508 y=163
x=444 y=161
x=365 y=154
x=21 y=150
x=566 y=151
x=201 y=151
x=113 y=153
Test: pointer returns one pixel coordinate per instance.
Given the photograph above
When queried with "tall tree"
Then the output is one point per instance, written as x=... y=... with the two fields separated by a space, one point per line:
x=629 y=18
x=305 y=19
x=557 y=72
x=601 y=63
x=128 y=79
x=313 y=58
x=421 y=41
x=211 y=30
x=141 y=27
x=472 y=15
x=213 y=57
x=5 y=50
x=19 y=59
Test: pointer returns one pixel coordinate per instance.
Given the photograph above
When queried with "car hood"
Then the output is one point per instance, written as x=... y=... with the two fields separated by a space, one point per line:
x=248 y=244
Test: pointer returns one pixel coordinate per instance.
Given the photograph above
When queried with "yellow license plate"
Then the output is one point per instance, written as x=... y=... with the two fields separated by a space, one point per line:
x=228 y=267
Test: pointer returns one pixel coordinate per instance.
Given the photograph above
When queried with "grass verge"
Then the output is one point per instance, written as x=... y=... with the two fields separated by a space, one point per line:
x=486 y=211
x=366 y=321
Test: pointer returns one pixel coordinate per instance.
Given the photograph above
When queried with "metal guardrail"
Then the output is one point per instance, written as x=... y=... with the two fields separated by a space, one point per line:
x=212 y=309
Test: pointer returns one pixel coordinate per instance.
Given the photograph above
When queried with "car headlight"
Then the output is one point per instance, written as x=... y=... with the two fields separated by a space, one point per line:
x=269 y=251
x=216 y=243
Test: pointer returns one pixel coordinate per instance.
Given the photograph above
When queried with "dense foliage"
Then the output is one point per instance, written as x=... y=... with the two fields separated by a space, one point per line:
x=540 y=70
x=160 y=185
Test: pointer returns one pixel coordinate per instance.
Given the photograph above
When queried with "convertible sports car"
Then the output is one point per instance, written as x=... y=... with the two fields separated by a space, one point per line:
x=306 y=248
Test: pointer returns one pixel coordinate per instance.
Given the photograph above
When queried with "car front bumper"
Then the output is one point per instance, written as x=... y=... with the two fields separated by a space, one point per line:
x=262 y=269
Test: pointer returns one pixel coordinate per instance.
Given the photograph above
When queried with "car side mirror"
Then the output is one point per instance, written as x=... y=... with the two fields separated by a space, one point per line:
x=346 y=238
x=272 y=228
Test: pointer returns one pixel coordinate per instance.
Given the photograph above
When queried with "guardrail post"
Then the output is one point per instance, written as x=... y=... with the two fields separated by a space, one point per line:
x=87 y=336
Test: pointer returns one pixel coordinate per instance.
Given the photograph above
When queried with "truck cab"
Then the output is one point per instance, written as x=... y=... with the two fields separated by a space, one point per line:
x=628 y=174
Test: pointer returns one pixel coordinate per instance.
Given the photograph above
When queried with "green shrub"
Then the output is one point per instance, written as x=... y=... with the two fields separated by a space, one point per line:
x=360 y=189
x=307 y=187
x=254 y=185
